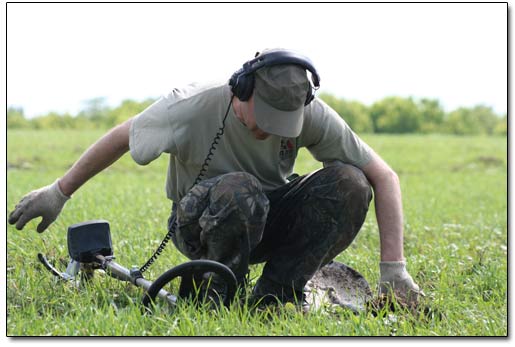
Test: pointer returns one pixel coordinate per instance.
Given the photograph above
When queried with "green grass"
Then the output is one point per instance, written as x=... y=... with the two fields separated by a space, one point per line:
x=455 y=201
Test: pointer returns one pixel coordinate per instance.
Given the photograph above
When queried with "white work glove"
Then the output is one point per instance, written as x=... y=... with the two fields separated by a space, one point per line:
x=46 y=202
x=395 y=278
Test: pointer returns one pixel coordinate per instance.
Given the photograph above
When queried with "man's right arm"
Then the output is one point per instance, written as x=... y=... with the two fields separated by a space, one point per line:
x=99 y=156
x=47 y=202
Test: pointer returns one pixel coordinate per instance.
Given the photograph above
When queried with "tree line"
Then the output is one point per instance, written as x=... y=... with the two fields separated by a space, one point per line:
x=394 y=115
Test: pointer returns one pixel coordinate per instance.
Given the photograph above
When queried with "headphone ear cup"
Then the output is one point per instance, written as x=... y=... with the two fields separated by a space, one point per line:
x=245 y=87
x=233 y=81
x=310 y=96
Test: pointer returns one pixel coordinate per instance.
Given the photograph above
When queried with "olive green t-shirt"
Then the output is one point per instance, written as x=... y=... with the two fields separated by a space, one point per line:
x=184 y=123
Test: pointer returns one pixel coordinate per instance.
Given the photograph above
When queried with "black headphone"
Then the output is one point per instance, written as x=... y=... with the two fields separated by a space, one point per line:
x=242 y=81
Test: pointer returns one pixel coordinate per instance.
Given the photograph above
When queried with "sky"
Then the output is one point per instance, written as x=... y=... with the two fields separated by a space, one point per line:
x=59 y=56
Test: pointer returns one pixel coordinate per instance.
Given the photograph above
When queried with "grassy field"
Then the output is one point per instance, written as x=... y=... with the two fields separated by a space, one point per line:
x=455 y=200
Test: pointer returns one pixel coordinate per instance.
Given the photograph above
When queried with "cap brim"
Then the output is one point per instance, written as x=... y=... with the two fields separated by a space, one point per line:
x=278 y=122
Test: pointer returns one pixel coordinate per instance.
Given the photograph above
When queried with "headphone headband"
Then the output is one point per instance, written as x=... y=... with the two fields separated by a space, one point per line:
x=282 y=57
x=242 y=81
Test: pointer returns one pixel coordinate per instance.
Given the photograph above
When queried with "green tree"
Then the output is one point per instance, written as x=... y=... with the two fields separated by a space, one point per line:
x=358 y=116
x=502 y=126
x=81 y=122
x=95 y=110
x=54 y=120
x=355 y=114
x=395 y=115
x=472 y=121
x=16 y=118
x=432 y=115
x=126 y=110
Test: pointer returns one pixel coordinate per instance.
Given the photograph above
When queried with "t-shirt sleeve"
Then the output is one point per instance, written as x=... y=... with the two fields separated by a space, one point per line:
x=151 y=132
x=329 y=138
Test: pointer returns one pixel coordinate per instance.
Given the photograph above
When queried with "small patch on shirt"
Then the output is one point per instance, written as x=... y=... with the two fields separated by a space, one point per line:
x=287 y=149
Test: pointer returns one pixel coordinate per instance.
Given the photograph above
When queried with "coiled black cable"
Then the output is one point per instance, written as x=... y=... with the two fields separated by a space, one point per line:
x=201 y=174
x=216 y=140
x=160 y=248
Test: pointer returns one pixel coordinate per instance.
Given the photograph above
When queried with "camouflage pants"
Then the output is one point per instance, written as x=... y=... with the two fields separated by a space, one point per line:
x=295 y=229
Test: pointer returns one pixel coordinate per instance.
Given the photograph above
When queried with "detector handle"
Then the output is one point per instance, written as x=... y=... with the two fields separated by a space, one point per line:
x=119 y=272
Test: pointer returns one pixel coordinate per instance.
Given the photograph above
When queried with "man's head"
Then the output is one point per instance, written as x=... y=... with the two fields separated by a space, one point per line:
x=276 y=83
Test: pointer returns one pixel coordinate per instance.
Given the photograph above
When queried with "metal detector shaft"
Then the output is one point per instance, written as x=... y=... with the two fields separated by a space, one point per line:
x=119 y=272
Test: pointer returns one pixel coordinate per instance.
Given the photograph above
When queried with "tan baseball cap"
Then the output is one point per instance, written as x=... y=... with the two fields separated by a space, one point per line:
x=280 y=93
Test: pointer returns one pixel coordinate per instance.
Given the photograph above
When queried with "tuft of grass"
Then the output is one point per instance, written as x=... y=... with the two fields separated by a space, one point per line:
x=455 y=207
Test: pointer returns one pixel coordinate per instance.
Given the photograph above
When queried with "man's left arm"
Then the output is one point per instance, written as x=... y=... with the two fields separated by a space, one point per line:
x=388 y=205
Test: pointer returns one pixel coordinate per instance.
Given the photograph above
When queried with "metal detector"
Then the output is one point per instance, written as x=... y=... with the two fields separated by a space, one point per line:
x=90 y=248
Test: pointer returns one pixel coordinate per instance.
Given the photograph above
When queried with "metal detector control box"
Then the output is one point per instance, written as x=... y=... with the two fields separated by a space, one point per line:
x=88 y=239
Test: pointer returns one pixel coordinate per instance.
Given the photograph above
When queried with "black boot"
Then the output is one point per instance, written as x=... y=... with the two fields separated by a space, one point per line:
x=267 y=292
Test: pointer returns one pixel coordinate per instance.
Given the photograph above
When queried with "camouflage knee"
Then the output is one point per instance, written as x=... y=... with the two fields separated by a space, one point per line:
x=217 y=214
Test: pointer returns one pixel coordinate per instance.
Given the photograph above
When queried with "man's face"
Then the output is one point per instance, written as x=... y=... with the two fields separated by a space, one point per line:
x=245 y=113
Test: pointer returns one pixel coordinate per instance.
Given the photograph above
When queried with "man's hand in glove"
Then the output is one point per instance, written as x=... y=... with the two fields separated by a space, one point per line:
x=395 y=278
x=46 y=202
